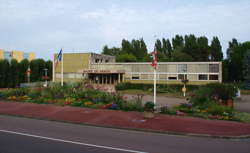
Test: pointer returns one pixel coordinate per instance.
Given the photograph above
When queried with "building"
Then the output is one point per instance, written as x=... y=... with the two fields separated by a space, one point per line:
x=102 y=69
x=18 y=55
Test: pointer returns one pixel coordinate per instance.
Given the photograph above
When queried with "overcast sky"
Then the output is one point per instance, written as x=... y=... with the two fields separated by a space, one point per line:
x=45 y=26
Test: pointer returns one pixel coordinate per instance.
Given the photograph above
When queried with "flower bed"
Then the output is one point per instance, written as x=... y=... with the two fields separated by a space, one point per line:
x=77 y=95
x=209 y=102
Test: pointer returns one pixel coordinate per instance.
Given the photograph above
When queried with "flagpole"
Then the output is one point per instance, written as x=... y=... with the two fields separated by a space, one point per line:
x=53 y=69
x=155 y=86
x=62 y=70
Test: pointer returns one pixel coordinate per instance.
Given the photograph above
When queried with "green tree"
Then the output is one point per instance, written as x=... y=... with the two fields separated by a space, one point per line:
x=167 y=45
x=232 y=44
x=49 y=66
x=114 y=51
x=143 y=51
x=179 y=56
x=13 y=74
x=177 y=42
x=4 y=71
x=23 y=66
x=203 y=49
x=161 y=56
x=236 y=73
x=216 y=50
x=126 y=47
x=191 y=47
x=246 y=69
x=37 y=67
x=126 y=58
x=225 y=70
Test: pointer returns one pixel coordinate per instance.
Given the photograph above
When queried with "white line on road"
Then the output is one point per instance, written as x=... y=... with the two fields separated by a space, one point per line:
x=73 y=142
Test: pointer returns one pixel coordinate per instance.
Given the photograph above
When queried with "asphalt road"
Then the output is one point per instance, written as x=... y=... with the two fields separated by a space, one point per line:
x=24 y=135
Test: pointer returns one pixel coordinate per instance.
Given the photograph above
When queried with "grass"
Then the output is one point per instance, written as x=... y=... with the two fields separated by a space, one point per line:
x=242 y=117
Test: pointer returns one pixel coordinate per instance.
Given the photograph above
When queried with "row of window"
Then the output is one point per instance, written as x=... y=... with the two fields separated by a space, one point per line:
x=183 y=77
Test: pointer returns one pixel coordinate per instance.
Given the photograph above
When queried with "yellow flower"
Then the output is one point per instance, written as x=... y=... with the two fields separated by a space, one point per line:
x=88 y=103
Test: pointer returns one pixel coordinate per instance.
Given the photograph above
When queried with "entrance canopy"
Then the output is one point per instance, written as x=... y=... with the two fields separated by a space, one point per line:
x=104 y=76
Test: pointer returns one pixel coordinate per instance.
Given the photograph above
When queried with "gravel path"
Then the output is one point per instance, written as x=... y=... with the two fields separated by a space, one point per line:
x=243 y=104
x=160 y=100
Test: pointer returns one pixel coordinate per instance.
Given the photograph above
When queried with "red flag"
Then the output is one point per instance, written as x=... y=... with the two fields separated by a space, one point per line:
x=154 y=62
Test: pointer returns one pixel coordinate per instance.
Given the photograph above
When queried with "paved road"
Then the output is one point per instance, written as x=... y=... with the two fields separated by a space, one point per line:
x=25 y=135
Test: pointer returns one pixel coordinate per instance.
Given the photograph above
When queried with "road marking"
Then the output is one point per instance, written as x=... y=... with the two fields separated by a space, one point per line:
x=73 y=142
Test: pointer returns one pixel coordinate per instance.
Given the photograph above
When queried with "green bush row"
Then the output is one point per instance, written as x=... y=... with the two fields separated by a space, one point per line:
x=161 y=88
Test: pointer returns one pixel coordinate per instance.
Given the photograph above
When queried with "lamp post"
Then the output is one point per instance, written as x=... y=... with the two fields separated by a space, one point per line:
x=28 y=72
x=46 y=76
x=184 y=81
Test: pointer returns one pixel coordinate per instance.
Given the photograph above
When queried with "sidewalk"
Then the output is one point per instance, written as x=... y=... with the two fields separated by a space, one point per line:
x=128 y=120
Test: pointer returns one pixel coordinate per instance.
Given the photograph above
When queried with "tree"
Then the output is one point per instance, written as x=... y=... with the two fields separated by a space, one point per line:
x=179 y=56
x=4 y=71
x=169 y=48
x=126 y=47
x=177 y=42
x=203 y=49
x=111 y=51
x=236 y=73
x=216 y=50
x=48 y=65
x=191 y=47
x=143 y=50
x=37 y=67
x=13 y=74
x=161 y=56
x=126 y=58
x=246 y=69
x=23 y=66
x=232 y=44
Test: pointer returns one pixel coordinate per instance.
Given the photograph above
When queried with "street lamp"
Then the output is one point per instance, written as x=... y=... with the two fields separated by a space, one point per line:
x=46 y=77
x=184 y=81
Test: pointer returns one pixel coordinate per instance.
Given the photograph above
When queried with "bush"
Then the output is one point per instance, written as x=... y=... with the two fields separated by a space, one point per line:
x=213 y=92
x=128 y=106
x=15 y=92
x=216 y=109
x=149 y=106
x=161 y=88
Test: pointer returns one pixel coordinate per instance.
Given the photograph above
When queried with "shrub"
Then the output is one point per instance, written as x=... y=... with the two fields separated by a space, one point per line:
x=213 y=92
x=216 y=109
x=128 y=106
x=161 y=88
x=149 y=106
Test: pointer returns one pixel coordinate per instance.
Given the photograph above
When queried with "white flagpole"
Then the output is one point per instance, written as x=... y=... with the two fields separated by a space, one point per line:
x=53 y=68
x=155 y=86
x=62 y=70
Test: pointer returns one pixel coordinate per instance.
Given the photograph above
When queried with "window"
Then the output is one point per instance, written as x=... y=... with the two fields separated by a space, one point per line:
x=172 y=78
x=135 y=78
x=182 y=68
x=202 y=77
x=97 y=60
x=213 y=68
x=213 y=77
x=182 y=76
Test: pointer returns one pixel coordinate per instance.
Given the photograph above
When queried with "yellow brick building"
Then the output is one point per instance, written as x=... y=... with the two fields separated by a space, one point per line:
x=18 y=55
x=102 y=69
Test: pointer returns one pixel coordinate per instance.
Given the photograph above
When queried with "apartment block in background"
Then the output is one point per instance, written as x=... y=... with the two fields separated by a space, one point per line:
x=18 y=55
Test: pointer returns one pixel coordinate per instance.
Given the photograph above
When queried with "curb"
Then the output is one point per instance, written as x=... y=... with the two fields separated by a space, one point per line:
x=136 y=129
